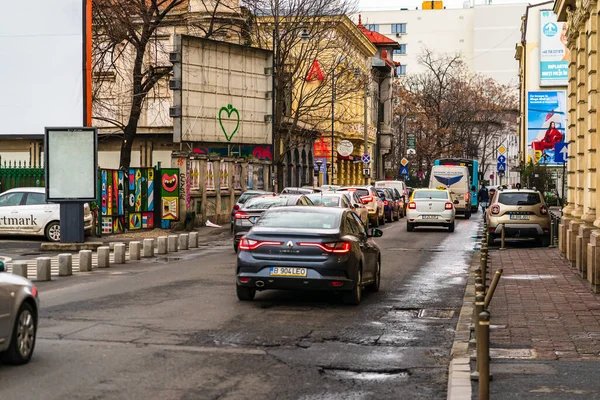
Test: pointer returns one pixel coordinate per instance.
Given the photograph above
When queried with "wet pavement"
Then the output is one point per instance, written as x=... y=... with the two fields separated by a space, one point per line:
x=174 y=329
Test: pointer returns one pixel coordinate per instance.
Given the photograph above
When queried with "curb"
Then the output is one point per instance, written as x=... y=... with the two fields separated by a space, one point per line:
x=459 y=370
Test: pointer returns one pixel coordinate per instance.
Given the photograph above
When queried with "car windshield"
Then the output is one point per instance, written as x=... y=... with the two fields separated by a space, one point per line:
x=298 y=220
x=325 y=200
x=262 y=203
x=519 y=199
x=246 y=196
x=359 y=192
x=431 y=194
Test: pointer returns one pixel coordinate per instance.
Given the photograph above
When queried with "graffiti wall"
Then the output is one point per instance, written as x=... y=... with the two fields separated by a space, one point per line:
x=112 y=201
x=169 y=191
x=141 y=198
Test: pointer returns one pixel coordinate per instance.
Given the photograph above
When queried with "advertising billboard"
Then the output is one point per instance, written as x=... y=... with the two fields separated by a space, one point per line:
x=44 y=45
x=546 y=125
x=554 y=54
x=222 y=92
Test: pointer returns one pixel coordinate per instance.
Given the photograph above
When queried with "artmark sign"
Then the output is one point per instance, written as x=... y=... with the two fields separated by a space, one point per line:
x=28 y=221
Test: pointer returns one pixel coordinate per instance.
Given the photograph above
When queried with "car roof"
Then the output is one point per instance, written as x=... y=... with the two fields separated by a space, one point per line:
x=310 y=209
x=518 y=191
x=27 y=189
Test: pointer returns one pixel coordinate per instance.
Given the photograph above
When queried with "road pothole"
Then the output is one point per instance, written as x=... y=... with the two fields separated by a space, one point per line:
x=365 y=375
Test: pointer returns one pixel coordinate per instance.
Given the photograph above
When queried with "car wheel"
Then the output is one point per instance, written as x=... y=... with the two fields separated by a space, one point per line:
x=22 y=341
x=468 y=214
x=543 y=241
x=382 y=220
x=451 y=227
x=53 y=232
x=355 y=295
x=398 y=215
x=374 y=287
x=245 y=293
x=390 y=218
x=410 y=226
x=375 y=223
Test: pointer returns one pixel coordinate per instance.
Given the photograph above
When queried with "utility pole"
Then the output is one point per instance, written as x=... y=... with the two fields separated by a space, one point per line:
x=332 y=124
x=366 y=128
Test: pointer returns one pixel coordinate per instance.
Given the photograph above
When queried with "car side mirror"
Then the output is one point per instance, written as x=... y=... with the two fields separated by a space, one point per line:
x=374 y=232
x=2 y=267
x=456 y=201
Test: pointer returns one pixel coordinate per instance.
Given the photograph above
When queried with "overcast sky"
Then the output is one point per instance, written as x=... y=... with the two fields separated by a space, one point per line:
x=373 y=5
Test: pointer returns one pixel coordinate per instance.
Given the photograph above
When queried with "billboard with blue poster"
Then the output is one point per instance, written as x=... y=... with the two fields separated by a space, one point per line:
x=546 y=125
x=554 y=53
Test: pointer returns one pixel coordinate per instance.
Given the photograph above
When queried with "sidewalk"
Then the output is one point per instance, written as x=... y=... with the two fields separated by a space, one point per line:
x=545 y=334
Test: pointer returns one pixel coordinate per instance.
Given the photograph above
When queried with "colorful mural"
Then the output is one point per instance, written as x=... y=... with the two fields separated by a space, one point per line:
x=252 y=151
x=112 y=201
x=169 y=181
x=141 y=196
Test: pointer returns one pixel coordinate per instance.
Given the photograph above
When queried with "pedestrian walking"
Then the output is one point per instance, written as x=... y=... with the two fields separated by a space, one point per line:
x=483 y=197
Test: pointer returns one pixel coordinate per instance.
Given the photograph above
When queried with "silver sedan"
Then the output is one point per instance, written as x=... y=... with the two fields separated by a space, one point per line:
x=431 y=207
x=19 y=305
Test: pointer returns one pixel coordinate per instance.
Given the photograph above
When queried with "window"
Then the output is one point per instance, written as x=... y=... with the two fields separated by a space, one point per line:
x=11 y=199
x=519 y=199
x=360 y=224
x=402 y=50
x=398 y=28
x=34 y=199
x=351 y=226
x=431 y=194
x=372 y=27
x=299 y=220
x=401 y=70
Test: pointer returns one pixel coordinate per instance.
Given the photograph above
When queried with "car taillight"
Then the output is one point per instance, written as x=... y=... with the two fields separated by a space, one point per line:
x=467 y=197
x=366 y=199
x=250 y=244
x=386 y=203
x=449 y=206
x=412 y=205
x=334 y=247
x=495 y=209
x=241 y=215
x=34 y=291
x=543 y=210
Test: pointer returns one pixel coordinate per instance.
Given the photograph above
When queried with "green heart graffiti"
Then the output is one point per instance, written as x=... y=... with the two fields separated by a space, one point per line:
x=229 y=110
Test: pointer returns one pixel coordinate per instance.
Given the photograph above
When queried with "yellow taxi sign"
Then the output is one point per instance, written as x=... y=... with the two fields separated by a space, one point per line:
x=502 y=149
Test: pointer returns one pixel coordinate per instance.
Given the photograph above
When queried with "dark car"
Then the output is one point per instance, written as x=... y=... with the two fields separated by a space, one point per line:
x=400 y=201
x=248 y=194
x=309 y=248
x=246 y=217
x=391 y=208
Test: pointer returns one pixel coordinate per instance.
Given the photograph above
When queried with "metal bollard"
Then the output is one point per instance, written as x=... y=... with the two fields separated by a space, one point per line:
x=148 y=248
x=103 y=256
x=193 y=240
x=65 y=264
x=502 y=238
x=172 y=241
x=492 y=289
x=478 y=309
x=479 y=289
x=483 y=355
x=135 y=249
x=43 y=269
x=119 y=257
x=85 y=260
x=184 y=240
x=162 y=245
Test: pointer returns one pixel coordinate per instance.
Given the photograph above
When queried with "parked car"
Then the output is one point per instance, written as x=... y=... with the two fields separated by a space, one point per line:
x=431 y=207
x=25 y=211
x=358 y=207
x=369 y=197
x=297 y=190
x=390 y=206
x=330 y=187
x=243 y=198
x=342 y=199
x=253 y=209
x=522 y=212
x=19 y=305
x=402 y=203
x=398 y=185
x=309 y=248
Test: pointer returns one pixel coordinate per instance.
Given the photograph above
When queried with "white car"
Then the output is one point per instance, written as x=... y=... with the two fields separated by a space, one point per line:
x=431 y=207
x=24 y=211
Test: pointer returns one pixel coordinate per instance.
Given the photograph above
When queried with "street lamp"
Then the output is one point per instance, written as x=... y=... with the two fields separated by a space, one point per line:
x=317 y=171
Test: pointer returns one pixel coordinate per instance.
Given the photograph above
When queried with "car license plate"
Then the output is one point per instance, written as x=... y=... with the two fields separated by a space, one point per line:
x=520 y=217
x=287 y=271
x=430 y=216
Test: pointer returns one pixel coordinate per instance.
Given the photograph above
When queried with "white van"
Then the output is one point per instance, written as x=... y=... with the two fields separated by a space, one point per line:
x=456 y=179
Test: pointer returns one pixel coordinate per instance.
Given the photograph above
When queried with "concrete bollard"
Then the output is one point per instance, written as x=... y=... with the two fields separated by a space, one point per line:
x=65 y=264
x=103 y=257
x=148 y=248
x=119 y=257
x=135 y=249
x=43 y=269
x=184 y=240
x=162 y=245
x=85 y=261
x=20 y=268
x=172 y=243
x=193 y=240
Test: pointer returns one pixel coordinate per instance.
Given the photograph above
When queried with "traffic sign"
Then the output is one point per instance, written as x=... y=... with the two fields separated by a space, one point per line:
x=411 y=151
x=501 y=159
x=345 y=148
x=366 y=158
x=502 y=149
x=501 y=167
x=404 y=162
x=367 y=171
x=411 y=141
x=404 y=171
x=561 y=152
x=491 y=176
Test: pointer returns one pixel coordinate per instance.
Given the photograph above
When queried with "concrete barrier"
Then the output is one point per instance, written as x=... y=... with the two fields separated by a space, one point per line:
x=65 y=264
x=173 y=243
x=103 y=257
x=148 y=248
x=19 y=268
x=193 y=240
x=85 y=261
x=184 y=241
x=135 y=249
x=162 y=245
x=43 y=269
x=119 y=253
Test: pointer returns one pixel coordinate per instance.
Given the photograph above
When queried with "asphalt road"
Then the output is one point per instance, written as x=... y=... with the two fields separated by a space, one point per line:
x=174 y=329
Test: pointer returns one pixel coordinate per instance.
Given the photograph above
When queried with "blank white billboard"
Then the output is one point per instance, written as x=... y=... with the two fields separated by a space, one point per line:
x=41 y=73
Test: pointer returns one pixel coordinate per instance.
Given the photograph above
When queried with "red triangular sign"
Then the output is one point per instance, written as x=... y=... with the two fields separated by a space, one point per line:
x=315 y=72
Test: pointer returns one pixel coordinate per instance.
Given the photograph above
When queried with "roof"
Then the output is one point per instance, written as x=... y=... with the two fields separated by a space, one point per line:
x=27 y=189
x=375 y=37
